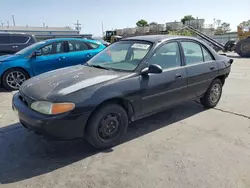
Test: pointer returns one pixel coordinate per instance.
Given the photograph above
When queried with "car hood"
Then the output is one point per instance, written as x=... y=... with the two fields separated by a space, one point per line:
x=9 y=57
x=54 y=84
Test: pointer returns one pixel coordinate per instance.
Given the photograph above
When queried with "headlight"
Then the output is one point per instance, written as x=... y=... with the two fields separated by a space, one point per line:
x=49 y=108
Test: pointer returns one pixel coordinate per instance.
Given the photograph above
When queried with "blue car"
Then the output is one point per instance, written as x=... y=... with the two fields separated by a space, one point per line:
x=45 y=56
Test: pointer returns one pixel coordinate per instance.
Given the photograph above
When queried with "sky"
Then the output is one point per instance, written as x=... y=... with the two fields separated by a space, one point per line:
x=119 y=14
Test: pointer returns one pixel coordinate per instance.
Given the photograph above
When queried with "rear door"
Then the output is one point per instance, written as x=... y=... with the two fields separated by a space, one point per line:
x=200 y=66
x=54 y=56
x=168 y=88
x=19 y=41
x=80 y=51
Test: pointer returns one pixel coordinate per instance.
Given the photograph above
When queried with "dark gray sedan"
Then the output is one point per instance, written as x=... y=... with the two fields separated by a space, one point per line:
x=128 y=80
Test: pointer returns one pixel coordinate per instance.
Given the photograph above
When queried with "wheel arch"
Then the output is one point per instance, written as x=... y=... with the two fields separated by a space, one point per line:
x=20 y=68
x=124 y=103
x=222 y=78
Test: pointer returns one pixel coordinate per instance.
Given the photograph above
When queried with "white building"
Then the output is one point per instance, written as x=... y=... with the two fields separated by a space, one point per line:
x=42 y=33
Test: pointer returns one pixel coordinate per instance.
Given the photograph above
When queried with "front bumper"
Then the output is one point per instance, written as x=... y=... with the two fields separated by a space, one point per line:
x=60 y=127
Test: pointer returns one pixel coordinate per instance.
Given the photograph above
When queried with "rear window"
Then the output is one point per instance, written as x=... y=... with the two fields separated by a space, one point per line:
x=4 y=39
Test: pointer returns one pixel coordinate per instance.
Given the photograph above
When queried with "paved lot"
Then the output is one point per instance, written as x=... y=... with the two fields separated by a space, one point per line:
x=185 y=147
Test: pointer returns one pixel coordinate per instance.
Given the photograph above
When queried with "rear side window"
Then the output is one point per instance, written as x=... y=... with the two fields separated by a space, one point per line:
x=75 y=46
x=19 y=39
x=4 y=39
x=207 y=55
x=193 y=53
x=93 y=45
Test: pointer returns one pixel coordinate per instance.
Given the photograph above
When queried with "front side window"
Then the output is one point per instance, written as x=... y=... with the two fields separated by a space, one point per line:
x=30 y=48
x=123 y=55
x=75 y=45
x=192 y=52
x=53 y=48
x=167 y=56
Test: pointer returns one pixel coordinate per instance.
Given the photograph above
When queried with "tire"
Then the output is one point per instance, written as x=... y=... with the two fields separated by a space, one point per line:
x=17 y=73
x=242 y=48
x=212 y=95
x=107 y=126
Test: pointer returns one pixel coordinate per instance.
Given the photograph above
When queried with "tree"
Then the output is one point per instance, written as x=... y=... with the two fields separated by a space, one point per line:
x=223 y=28
x=142 y=23
x=187 y=18
x=245 y=24
x=153 y=23
x=181 y=33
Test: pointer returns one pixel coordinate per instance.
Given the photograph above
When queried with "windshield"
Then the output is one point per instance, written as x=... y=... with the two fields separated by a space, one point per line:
x=29 y=48
x=123 y=55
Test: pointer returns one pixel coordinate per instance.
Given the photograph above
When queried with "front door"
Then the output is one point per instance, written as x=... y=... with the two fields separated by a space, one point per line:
x=200 y=66
x=53 y=57
x=168 y=88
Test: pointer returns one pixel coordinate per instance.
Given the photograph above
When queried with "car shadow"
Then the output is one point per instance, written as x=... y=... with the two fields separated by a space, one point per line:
x=24 y=155
x=2 y=90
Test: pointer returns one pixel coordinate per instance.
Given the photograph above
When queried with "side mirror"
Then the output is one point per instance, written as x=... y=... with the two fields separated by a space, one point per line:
x=36 y=53
x=154 y=68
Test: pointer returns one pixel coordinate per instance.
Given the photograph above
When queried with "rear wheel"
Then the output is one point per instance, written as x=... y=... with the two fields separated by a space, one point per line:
x=243 y=47
x=107 y=126
x=212 y=95
x=13 y=78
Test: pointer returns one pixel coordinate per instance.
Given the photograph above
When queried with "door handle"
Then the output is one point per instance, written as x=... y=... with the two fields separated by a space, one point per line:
x=178 y=75
x=89 y=55
x=14 y=46
x=212 y=67
x=61 y=58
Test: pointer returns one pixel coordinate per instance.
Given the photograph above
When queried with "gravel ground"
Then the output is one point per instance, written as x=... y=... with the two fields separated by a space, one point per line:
x=185 y=147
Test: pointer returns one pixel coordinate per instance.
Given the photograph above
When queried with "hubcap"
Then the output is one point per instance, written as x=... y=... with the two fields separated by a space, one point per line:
x=245 y=47
x=215 y=93
x=109 y=126
x=15 y=79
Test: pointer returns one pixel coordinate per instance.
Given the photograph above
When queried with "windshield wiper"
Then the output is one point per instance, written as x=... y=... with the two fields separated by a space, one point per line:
x=98 y=66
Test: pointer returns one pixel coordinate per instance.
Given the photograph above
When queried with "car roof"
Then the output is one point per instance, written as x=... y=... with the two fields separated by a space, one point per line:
x=157 y=38
x=14 y=33
x=77 y=39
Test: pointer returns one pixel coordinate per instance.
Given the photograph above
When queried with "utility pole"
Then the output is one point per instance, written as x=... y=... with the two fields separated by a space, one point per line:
x=102 y=30
x=78 y=26
x=8 y=24
x=13 y=18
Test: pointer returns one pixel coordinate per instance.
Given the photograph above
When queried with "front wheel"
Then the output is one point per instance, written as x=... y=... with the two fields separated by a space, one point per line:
x=13 y=78
x=107 y=126
x=212 y=95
